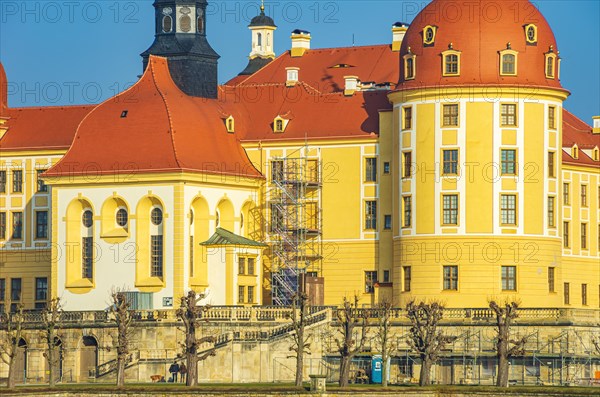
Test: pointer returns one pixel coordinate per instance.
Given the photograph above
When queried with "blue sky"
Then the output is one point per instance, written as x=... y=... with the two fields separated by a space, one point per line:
x=72 y=52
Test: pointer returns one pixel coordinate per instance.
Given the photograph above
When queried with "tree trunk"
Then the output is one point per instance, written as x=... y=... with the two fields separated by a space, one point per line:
x=51 y=380
x=192 y=369
x=384 y=368
x=502 y=377
x=10 y=382
x=300 y=366
x=121 y=371
x=425 y=377
x=345 y=370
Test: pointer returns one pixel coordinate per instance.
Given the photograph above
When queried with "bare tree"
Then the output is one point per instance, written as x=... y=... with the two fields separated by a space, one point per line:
x=596 y=343
x=505 y=346
x=191 y=314
x=123 y=318
x=51 y=321
x=384 y=337
x=12 y=329
x=349 y=316
x=300 y=339
x=425 y=338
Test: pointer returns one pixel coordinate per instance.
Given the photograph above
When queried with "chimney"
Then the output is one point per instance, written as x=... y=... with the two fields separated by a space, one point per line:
x=596 y=124
x=398 y=31
x=300 y=42
x=292 y=76
x=351 y=85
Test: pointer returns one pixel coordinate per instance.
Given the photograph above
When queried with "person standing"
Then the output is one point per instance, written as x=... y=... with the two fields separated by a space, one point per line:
x=182 y=372
x=174 y=370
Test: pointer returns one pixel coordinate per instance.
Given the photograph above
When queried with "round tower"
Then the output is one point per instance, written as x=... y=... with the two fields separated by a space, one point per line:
x=478 y=147
x=263 y=42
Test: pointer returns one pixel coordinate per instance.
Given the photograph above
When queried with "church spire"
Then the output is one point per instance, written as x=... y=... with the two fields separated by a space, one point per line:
x=263 y=37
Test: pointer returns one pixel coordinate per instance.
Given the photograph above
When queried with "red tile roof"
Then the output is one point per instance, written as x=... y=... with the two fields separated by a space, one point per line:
x=163 y=130
x=324 y=69
x=42 y=128
x=479 y=33
x=577 y=131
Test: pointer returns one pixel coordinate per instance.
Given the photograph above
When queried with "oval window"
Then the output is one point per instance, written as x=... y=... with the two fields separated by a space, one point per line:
x=185 y=23
x=531 y=33
x=122 y=217
x=429 y=33
x=156 y=216
x=167 y=24
x=87 y=218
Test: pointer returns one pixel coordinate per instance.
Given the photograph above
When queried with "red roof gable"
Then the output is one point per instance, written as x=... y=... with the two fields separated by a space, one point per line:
x=155 y=127
x=324 y=69
x=577 y=131
x=45 y=128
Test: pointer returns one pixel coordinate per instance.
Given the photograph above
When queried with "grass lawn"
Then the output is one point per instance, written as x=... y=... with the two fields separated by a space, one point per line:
x=223 y=389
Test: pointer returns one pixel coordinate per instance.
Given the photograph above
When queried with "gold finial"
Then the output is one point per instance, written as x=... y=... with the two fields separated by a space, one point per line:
x=551 y=48
x=262 y=6
x=508 y=46
x=450 y=46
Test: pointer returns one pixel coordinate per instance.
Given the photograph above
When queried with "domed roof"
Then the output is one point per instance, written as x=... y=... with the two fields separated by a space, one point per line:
x=262 y=19
x=155 y=127
x=3 y=91
x=479 y=30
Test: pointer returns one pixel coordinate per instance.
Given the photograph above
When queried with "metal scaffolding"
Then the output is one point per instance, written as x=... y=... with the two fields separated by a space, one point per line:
x=295 y=223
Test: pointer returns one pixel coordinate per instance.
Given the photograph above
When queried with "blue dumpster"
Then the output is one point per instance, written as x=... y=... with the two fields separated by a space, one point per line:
x=377 y=369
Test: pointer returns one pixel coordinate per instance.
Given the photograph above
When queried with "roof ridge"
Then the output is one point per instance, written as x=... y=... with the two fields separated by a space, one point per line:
x=91 y=105
x=349 y=47
x=164 y=99
x=576 y=118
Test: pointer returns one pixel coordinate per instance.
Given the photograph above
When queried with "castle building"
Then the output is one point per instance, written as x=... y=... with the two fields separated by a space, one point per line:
x=440 y=166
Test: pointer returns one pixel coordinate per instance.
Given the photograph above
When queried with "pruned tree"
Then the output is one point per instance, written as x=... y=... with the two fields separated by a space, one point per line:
x=122 y=316
x=596 y=343
x=11 y=327
x=51 y=322
x=349 y=343
x=191 y=314
x=424 y=337
x=506 y=348
x=384 y=336
x=300 y=338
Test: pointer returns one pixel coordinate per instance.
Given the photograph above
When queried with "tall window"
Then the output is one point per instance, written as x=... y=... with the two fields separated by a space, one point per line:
x=450 y=166
x=566 y=242
x=508 y=209
x=451 y=278
x=2 y=294
x=407 y=118
x=371 y=215
x=387 y=222
x=277 y=170
x=2 y=181
x=551 y=279
x=386 y=168
x=407 y=164
x=551 y=172
x=251 y=266
x=450 y=212
x=41 y=186
x=192 y=256
x=584 y=294
x=551 y=117
x=371 y=170
x=508 y=114
x=567 y=293
x=407 y=211
x=241 y=293
x=508 y=159
x=41 y=224
x=386 y=276
x=450 y=115
x=584 y=236
x=370 y=281
x=156 y=252
x=17 y=226
x=509 y=278
x=566 y=191
x=167 y=24
x=451 y=64
x=407 y=270
x=241 y=266
x=410 y=68
x=550 y=67
x=251 y=294
x=15 y=289
x=41 y=292
x=2 y=225
x=551 y=222
x=584 y=202
x=17 y=181
x=509 y=64
x=87 y=253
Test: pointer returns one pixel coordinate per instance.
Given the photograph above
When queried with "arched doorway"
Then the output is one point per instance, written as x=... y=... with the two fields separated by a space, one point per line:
x=88 y=357
x=21 y=362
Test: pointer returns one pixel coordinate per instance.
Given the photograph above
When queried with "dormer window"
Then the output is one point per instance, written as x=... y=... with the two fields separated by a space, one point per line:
x=409 y=65
x=575 y=152
x=531 y=34
x=508 y=62
x=550 y=64
x=292 y=76
x=230 y=124
x=451 y=62
x=429 y=33
x=280 y=124
x=596 y=154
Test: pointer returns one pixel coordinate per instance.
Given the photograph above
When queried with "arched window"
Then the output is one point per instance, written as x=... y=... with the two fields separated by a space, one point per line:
x=87 y=245
x=268 y=39
x=167 y=24
x=156 y=243
x=260 y=39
